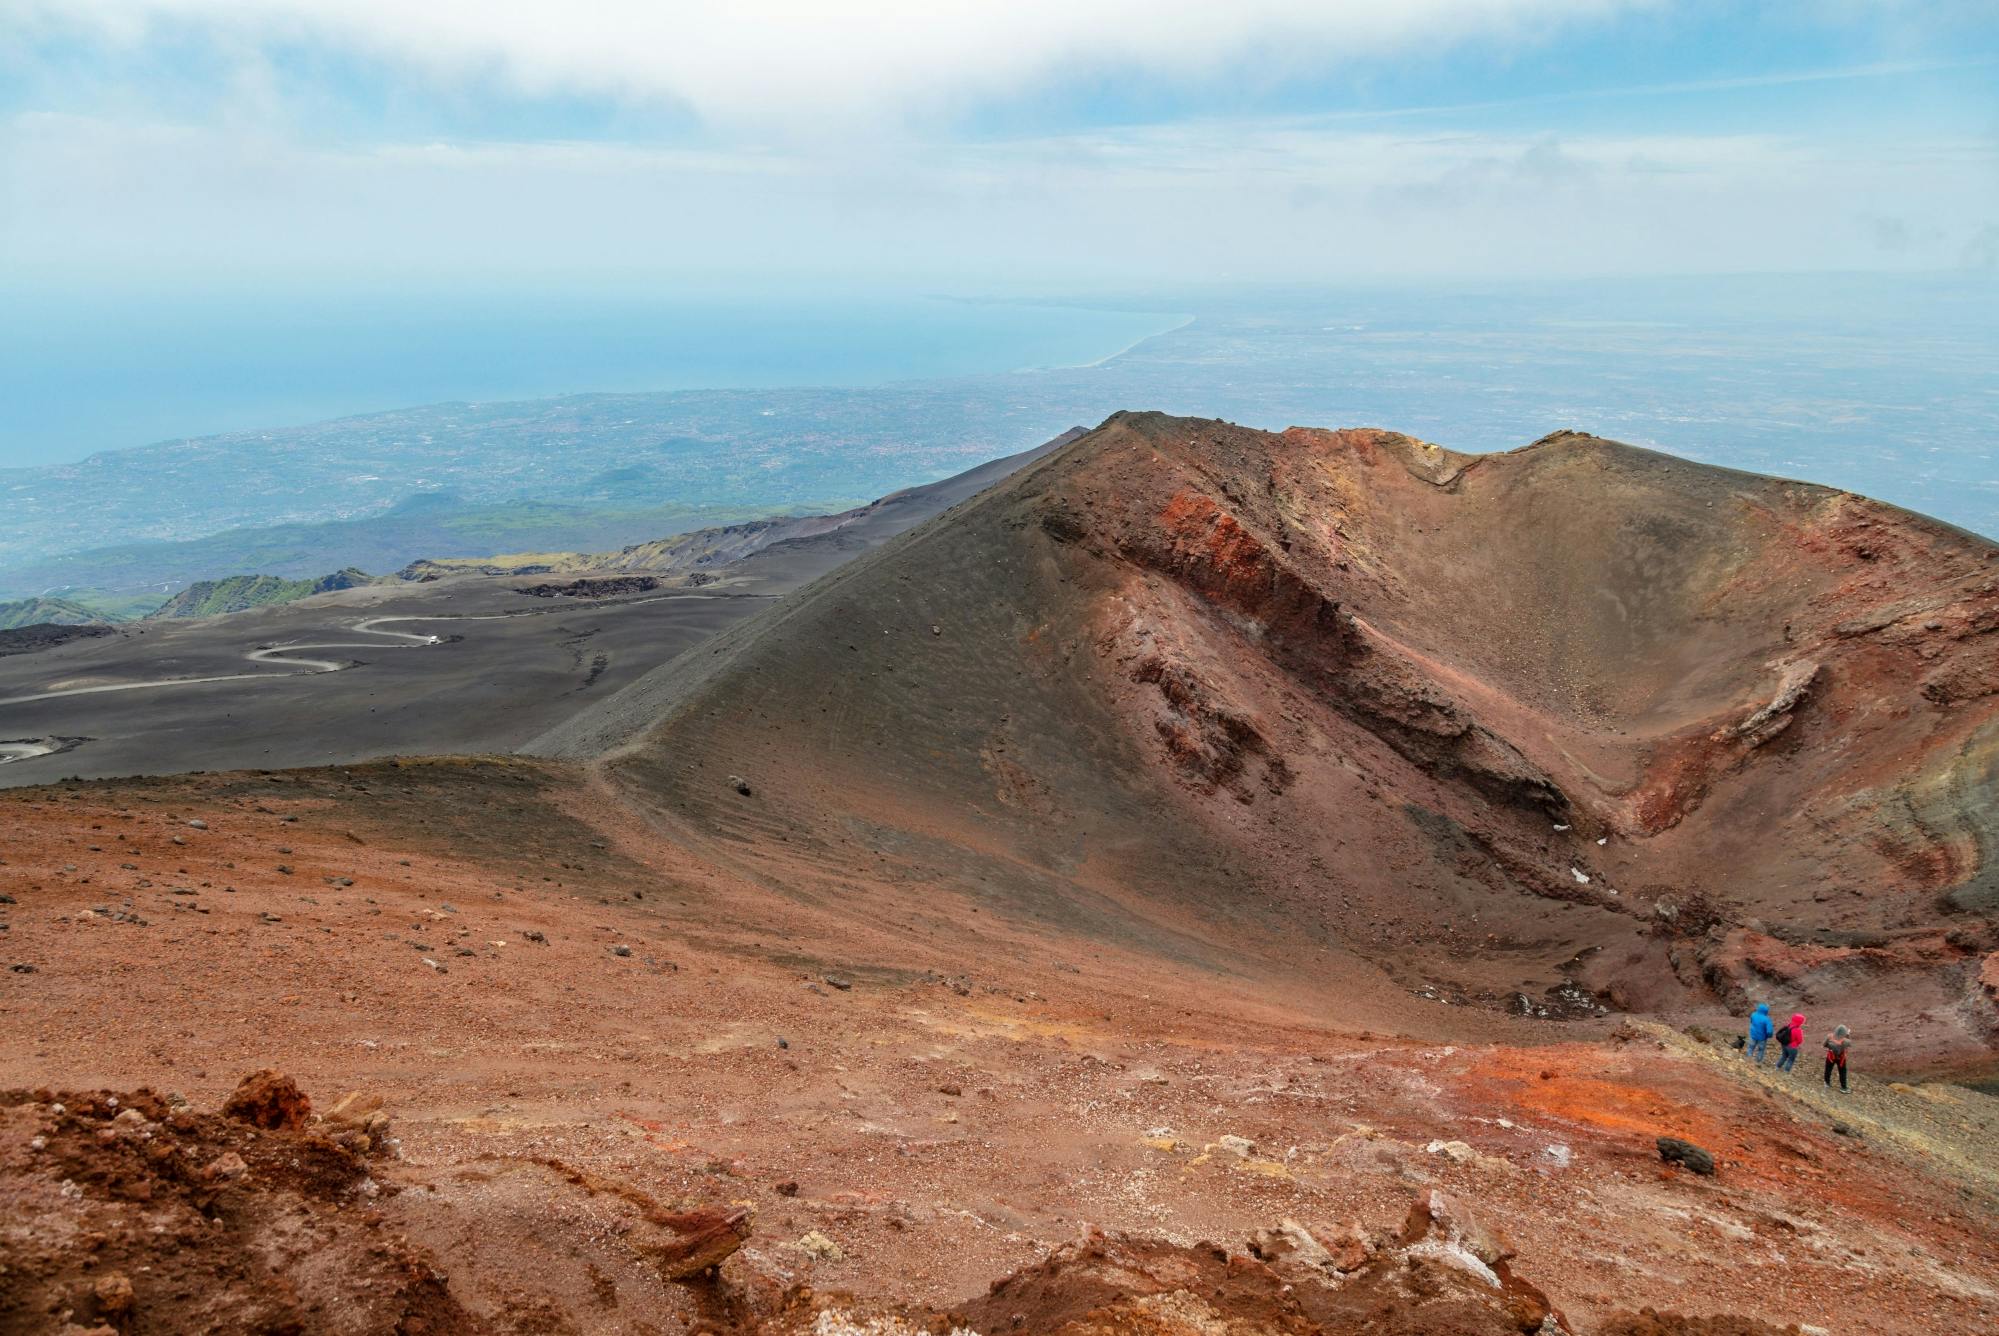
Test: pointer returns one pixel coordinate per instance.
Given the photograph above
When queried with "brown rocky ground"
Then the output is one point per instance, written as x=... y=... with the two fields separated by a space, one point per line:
x=579 y=1031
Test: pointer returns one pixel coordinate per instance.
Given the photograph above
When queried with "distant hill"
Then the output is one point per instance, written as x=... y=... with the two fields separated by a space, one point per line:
x=47 y=612
x=423 y=527
x=590 y=471
x=439 y=520
x=244 y=593
x=237 y=593
x=701 y=549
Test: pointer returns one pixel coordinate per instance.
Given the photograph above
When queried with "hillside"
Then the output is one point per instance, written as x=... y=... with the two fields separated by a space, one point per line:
x=580 y=473
x=239 y=593
x=476 y=662
x=725 y=545
x=387 y=541
x=46 y=611
x=1573 y=729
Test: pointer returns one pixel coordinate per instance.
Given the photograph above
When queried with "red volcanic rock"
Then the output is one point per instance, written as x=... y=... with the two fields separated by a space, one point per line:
x=268 y=1099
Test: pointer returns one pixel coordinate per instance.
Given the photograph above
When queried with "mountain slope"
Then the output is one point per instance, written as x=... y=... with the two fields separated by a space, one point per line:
x=707 y=549
x=45 y=612
x=238 y=593
x=1572 y=728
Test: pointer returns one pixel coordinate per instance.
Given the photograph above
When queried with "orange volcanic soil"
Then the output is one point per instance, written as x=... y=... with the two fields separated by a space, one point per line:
x=1212 y=881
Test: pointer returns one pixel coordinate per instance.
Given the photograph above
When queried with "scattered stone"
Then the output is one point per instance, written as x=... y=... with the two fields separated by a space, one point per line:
x=198 y=824
x=226 y=1168
x=285 y=868
x=815 y=1244
x=839 y=981
x=621 y=950
x=951 y=1088
x=1675 y=1151
x=1453 y=1150
x=269 y=1099
x=22 y=968
x=1440 y=1216
x=530 y=935
x=114 y=1296
x=1348 y=1247
x=740 y=785
x=1240 y=1147
x=1290 y=1244
x=357 y=1109
x=788 y=1188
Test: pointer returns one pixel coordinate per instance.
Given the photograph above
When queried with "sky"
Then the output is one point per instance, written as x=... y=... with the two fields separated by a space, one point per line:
x=1016 y=147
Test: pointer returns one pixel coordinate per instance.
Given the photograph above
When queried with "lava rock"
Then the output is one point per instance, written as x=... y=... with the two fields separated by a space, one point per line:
x=1675 y=1151
x=269 y=1099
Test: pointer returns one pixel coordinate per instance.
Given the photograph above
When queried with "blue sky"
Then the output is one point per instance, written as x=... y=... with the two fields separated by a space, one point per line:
x=1038 y=145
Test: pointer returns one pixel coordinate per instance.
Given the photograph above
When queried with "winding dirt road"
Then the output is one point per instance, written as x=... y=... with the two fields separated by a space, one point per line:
x=307 y=667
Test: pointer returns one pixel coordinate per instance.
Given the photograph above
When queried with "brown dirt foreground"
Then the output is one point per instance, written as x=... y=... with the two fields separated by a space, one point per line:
x=565 y=1077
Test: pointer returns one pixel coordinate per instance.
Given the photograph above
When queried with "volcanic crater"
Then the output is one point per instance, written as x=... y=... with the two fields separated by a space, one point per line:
x=1574 y=728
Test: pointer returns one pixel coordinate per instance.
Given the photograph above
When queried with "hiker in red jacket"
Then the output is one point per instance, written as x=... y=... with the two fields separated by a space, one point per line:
x=1792 y=1037
x=1835 y=1055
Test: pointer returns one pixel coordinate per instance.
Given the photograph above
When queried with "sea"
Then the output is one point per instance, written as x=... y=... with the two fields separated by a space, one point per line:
x=1886 y=384
x=85 y=373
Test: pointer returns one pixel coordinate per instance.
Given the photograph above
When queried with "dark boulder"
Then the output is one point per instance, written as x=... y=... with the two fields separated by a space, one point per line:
x=1685 y=1153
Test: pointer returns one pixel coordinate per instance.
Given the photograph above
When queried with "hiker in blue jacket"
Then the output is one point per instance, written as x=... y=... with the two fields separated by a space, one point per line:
x=1760 y=1030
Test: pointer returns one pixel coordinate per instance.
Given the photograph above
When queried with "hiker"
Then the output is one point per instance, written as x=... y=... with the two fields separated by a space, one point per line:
x=1760 y=1030
x=1792 y=1037
x=1835 y=1055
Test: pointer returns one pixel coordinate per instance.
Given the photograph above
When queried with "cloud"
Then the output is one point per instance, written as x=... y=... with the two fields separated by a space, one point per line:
x=109 y=201
x=794 y=63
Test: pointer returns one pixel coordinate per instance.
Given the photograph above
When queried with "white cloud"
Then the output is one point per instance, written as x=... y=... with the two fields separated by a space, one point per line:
x=1196 y=202
x=792 y=63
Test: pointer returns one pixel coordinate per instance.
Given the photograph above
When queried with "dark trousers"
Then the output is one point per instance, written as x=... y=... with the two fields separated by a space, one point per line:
x=1840 y=1063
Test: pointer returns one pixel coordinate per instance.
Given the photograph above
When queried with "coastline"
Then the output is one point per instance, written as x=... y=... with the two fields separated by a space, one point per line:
x=1112 y=357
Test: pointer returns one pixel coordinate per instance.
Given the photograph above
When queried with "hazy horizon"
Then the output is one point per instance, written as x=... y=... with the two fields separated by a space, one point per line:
x=1761 y=232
